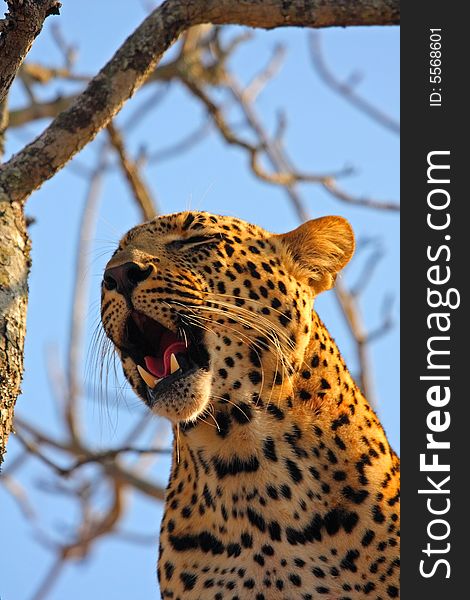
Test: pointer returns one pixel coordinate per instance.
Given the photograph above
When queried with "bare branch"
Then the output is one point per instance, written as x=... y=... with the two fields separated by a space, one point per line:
x=109 y=456
x=136 y=59
x=50 y=579
x=93 y=527
x=133 y=478
x=107 y=459
x=40 y=436
x=287 y=175
x=259 y=82
x=332 y=188
x=387 y=320
x=34 y=449
x=40 y=74
x=80 y=296
x=283 y=178
x=367 y=272
x=145 y=107
x=183 y=145
x=39 y=110
x=20 y=496
x=68 y=51
x=315 y=14
x=18 y=30
x=3 y=125
x=345 y=89
x=144 y=539
x=138 y=187
x=352 y=315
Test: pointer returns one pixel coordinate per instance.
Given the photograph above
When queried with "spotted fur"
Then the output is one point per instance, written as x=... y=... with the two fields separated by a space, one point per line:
x=283 y=484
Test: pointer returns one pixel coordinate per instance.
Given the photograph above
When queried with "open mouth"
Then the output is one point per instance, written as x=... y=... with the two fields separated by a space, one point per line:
x=163 y=357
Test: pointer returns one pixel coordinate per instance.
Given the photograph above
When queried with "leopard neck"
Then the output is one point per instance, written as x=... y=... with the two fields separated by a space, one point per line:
x=318 y=399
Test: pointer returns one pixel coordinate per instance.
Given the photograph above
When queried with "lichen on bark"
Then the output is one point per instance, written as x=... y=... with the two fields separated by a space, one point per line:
x=14 y=270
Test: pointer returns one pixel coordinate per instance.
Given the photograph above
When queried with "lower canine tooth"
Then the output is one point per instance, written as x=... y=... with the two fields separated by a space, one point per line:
x=147 y=377
x=174 y=365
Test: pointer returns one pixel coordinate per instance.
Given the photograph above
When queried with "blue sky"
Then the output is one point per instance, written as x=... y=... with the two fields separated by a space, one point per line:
x=324 y=133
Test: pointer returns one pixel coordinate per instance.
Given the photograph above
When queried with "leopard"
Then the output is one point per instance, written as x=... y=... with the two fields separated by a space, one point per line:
x=283 y=485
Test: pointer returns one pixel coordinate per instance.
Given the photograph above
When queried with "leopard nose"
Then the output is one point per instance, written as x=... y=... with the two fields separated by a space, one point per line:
x=125 y=277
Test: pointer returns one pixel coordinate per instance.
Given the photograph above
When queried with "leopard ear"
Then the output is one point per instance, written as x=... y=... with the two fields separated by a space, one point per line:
x=319 y=249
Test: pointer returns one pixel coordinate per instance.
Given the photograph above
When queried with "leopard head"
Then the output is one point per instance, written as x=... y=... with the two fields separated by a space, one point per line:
x=199 y=306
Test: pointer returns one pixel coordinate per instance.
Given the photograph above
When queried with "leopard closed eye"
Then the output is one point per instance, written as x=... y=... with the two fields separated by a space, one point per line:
x=283 y=484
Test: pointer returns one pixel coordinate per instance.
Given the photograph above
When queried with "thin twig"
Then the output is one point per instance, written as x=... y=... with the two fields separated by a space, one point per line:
x=331 y=187
x=20 y=496
x=34 y=449
x=387 y=320
x=346 y=90
x=352 y=315
x=138 y=187
x=80 y=295
x=183 y=145
x=40 y=436
x=259 y=82
x=50 y=579
x=109 y=455
x=366 y=273
x=4 y=116
x=285 y=177
x=68 y=51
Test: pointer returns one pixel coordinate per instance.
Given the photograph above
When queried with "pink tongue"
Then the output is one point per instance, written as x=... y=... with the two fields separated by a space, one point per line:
x=160 y=366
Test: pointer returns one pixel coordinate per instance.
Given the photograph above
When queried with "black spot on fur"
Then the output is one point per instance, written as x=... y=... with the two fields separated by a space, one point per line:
x=169 y=569
x=242 y=413
x=187 y=222
x=274 y=531
x=205 y=541
x=348 y=561
x=377 y=514
x=255 y=377
x=269 y=449
x=234 y=550
x=256 y=519
x=235 y=465
x=356 y=496
x=296 y=580
x=272 y=492
x=275 y=412
x=294 y=471
x=189 y=580
x=223 y=421
x=343 y=419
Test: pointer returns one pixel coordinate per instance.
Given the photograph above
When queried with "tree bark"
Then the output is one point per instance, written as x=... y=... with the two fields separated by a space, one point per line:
x=14 y=269
x=20 y=27
x=92 y=110
x=18 y=30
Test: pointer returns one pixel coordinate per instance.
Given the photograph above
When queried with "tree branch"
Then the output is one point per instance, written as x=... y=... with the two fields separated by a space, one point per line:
x=22 y=24
x=39 y=110
x=80 y=296
x=3 y=125
x=137 y=185
x=346 y=90
x=133 y=62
